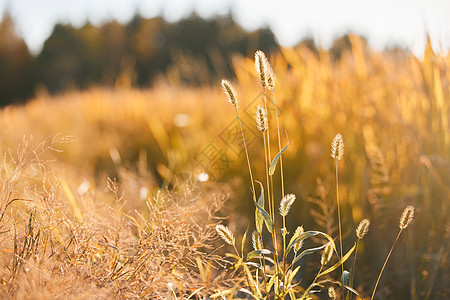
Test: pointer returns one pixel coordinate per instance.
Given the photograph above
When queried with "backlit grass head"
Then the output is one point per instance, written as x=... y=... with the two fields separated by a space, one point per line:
x=286 y=203
x=327 y=254
x=230 y=92
x=225 y=234
x=260 y=65
x=407 y=216
x=337 y=147
x=332 y=293
x=362 y=228
x=256 y=241
x=261 y=118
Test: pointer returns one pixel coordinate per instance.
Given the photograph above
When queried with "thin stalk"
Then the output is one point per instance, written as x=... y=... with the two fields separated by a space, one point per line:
x=339 y=218
x=271 y=207
x=267 y=176
x=354 y=264
x=279 y=144
x=314 y=281
x=247 y=157
x=264 y=264
x=385 y=262
x=271 y=198
x=246 y=276
x=282 y=179
x=269 y=157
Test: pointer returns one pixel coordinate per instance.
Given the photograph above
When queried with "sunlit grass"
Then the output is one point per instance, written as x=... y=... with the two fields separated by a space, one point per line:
x=391 y=108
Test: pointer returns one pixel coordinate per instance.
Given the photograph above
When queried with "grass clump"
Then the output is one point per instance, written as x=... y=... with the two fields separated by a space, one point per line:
x=270 y=271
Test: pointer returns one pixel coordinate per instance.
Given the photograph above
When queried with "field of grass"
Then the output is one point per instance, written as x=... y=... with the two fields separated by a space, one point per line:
x=104 y=192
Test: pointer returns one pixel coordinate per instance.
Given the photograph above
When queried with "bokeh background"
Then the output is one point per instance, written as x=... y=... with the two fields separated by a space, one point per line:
x=136 y=84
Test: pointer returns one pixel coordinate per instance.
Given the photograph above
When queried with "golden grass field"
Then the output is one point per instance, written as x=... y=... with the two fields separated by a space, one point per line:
x=118 y=210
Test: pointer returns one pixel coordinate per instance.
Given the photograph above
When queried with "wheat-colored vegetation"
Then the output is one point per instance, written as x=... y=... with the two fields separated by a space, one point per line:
x=102 y=198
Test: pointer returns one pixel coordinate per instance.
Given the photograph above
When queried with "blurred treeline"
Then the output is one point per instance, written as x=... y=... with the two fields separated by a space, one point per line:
x=122 y=54
x=131 y=54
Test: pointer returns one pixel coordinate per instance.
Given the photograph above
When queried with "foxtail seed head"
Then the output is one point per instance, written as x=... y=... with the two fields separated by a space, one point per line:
x=286 y=203
x=362 y=228
x=260 y=64
x=407 y=216
x=327 y=254
x=225 y=234
x=271 y=78
x=332 y=293
x=256 y=241
x=261 y=119
x=337 y=147
x=231 y=93
x=299 y=231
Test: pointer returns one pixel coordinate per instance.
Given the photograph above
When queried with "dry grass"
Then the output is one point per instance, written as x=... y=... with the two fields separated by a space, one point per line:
x=391 y=108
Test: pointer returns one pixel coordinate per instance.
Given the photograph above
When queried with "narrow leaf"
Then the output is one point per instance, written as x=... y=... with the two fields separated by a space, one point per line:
x=345 y=278
x=273 y=165
x=295 y=239
x=244 y=238
x=256 y=265
x=353 y=291
x=256 y=253
x=264 y=213
x=306 y=252
x=291 y=276
x=340 y=262
x=259 y=219
x=271 y=282
x=251 y=281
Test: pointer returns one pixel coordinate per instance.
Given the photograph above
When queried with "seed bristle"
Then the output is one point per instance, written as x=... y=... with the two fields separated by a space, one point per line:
x=362 y=228
x=256 y=241
x=261 y=118
x=299 y=231
x=332 y=293
x=260 y=62
x=225 y=234
x=327 y=254
x=407 y=216
x=337 y=147
x=230 y=92
x=286 y=203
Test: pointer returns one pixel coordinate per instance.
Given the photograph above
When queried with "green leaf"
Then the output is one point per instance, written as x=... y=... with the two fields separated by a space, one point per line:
x=273 y=165
x=291 y=276
x=255 y=290
x=353 y=291
x=255 y=265
x=306 y=252
x=271 y=282
x=244 y=238
x=345 y=278
x=259 y=219
x=264 y=213
x=298 y=238
x=256 y=253
x=340 y=262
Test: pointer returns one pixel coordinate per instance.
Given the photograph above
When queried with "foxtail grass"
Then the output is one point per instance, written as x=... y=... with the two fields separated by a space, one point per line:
x=232 y=98
x=275 y=282
x=361 y=231
x=337 y=152
x=270 y=273
x=405 y=219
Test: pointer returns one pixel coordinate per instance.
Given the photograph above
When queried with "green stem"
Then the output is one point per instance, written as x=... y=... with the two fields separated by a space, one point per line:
x=339 y=219
x=282 y=181
x=264 y=265
x=385 y=262
x=354 y=264
x=279 y=144
x=247 y=156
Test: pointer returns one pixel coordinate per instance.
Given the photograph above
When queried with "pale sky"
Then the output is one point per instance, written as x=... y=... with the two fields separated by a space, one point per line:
x=383 y=22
